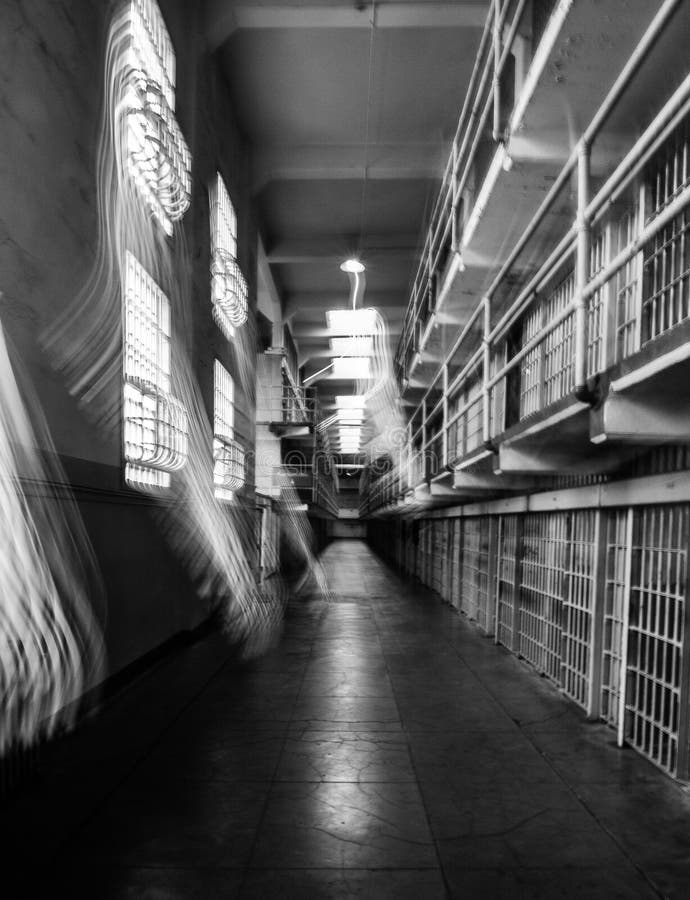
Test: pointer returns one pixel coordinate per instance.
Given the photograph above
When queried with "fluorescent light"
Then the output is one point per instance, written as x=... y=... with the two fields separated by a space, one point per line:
x=352 y=265
x=349 y=419
x=350 y=401
x=354 y=367
x=352 y=346
x=484 y=194
x=352 y=321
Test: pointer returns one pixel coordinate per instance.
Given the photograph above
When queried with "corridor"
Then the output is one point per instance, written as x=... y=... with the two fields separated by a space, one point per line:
x=383 y=749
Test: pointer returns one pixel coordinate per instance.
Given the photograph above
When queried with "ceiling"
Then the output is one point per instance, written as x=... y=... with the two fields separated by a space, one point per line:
x=349 y=109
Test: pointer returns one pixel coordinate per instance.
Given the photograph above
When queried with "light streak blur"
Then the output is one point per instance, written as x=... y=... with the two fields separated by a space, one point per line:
x=51 y=647
x=140 y=203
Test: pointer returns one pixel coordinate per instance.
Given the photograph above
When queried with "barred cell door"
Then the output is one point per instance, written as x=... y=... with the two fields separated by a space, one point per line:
x=455 y=552
x=643 y=675
x=506 y=579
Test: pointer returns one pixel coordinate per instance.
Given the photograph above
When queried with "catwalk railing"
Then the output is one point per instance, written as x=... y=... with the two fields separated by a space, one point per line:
x=615 y=281
x=595 y=599
x=287 y=404
x=490 y=105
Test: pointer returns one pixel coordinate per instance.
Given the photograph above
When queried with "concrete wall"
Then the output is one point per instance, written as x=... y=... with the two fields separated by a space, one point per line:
x=51 y=84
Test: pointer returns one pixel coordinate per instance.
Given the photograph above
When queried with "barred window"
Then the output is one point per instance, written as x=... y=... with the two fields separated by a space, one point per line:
x=228 y=287
x=155 y=423
x=228 y=454
x=158 y=158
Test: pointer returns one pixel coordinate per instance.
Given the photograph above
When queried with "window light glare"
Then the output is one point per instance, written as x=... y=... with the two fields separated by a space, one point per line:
x=352 y=346
x=350 y=401
x=352 y=265
x=351 y=322
x=354 y=367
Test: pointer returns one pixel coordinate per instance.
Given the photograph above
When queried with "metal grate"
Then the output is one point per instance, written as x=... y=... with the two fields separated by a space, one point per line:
x=530 y=366
x=655 y=637
x=465 y=433
x=155 y=423
x=506 y=573
x=545 y=544
x=666 y=282
x=475 y=570
x=558 y=346
x=578 y=596
x=627 y=291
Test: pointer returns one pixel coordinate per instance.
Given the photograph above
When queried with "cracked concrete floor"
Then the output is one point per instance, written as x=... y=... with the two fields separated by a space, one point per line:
x=383 y=749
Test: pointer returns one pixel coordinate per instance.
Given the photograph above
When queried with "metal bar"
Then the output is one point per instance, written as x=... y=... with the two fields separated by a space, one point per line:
x=596 y=636
x=646 y=234
x=667 y=119
x=445 y=414
x=630 y=69
x=467 y=368
x=531 y=344
x=554 y=261
x=623 y=673
x=600 y=117
x=683 y=761
x=599 y=280
x=581 y=269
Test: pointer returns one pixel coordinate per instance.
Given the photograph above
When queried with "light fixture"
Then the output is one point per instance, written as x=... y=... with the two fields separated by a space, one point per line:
x=352 y=346
x=352 y=265
x=352 y=322
x=354 y=367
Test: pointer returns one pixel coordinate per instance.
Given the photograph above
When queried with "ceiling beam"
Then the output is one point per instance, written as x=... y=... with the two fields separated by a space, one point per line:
x=413 y=161
x=224 y=18
x=334 y=250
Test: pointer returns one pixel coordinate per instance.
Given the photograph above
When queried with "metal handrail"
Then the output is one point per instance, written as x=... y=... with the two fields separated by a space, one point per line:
x=571 y=246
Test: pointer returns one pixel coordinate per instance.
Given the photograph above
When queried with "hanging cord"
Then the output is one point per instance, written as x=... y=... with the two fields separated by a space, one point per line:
x=372 y=36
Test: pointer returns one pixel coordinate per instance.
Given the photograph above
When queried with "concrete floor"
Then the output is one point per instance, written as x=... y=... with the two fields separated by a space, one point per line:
x=385 y=749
